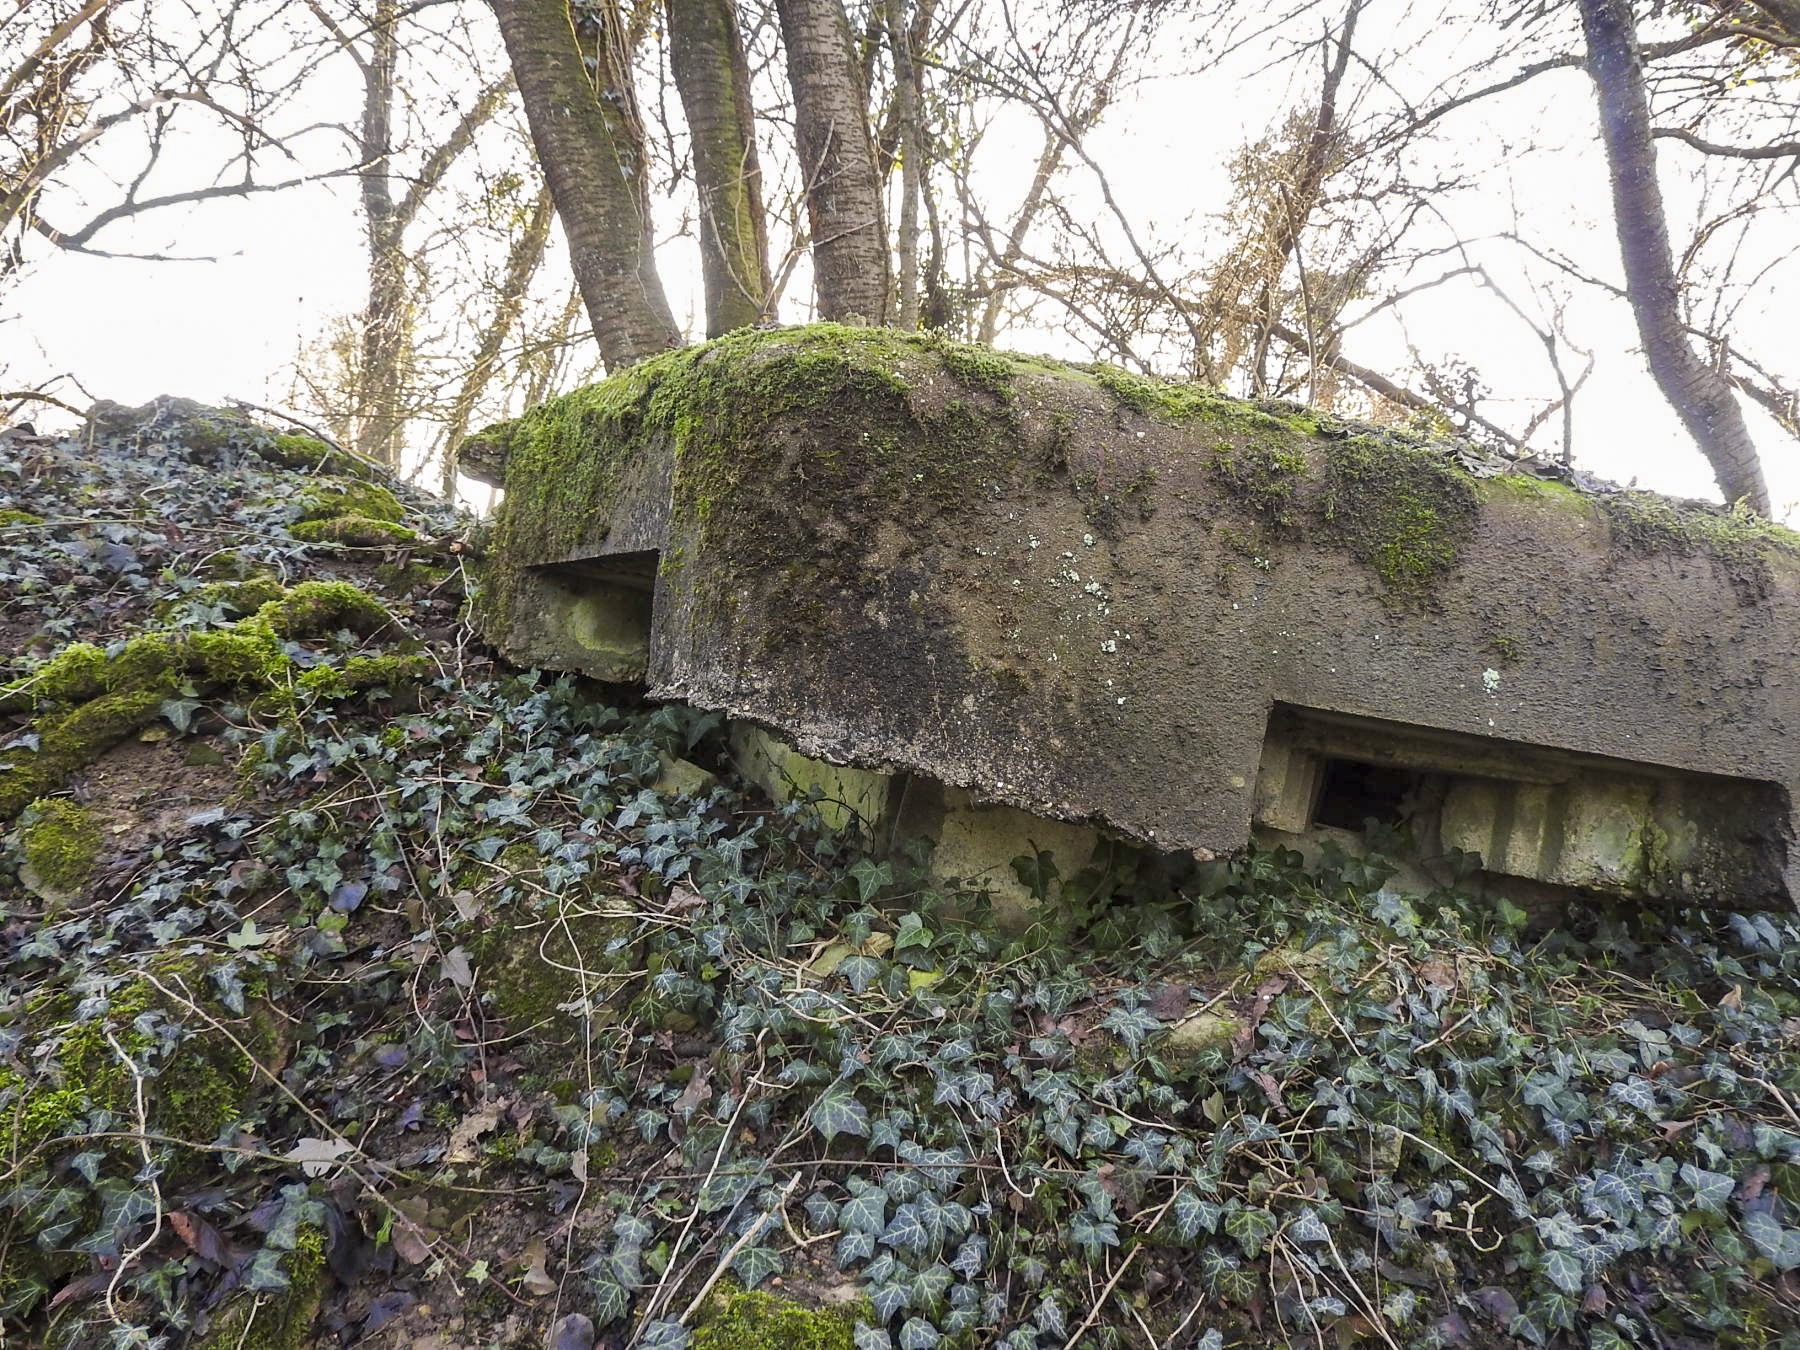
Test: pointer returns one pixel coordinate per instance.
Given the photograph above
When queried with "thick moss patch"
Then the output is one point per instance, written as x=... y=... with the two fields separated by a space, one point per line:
x=894 y=422
x=88 y=699
x=755 y=1320
x=9 y=518
x=354 y=531
x=353 y=513
x=1404 y=510
x=313 y=455
x=349 y=498
x=60 y=842
x=198 y=1080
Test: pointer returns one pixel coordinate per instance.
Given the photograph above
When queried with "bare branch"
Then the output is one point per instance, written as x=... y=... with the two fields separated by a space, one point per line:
x=1780 y=150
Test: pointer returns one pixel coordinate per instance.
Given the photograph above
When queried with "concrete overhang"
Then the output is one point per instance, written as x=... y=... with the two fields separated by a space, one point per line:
x=1163 y=613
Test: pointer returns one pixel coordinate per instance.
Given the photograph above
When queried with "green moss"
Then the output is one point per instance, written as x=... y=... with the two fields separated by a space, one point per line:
x=313 y=455
x=529 y=965
x=314 y=608
x=1528 y=487
x=69 y=740
x=1643 y=522
x=872 y=445
x=754 y=1320
x=975 y=366
x=1404 y=510
x=1142 y=394
x=1264 y=477
x=60 y=842
x=87 y=701
x=350 y=498
x=352 y=531
x=281 y=1320
x=242 y=596
x=9 y=518
x=390 y=670
x=200 y=1081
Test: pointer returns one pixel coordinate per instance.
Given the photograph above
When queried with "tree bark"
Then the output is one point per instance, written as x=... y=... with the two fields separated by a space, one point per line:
x=1295 y=208
x=1700 y=393
x=706 y=55
x=851 y=272
x=380 y=382
x=911 y=143
x=590 y=141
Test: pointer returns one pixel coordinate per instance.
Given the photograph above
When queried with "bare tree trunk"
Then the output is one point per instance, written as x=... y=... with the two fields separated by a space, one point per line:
x=379 y=417
x=837 y=161
x=1296 y=207
x=1701 y=394
x=1049 y=161
x=522 y=262
x=906 y=102
x=706 y=55
x=590 y=141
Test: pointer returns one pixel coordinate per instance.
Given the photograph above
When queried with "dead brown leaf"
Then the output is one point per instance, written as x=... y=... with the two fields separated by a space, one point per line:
x=461 y=1148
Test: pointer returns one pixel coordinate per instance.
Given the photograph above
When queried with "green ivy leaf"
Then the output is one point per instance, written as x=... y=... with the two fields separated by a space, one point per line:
x=1250 y=1229
x=1563 y=1270
x=1780 y=1245
x=753 y=1265
x=838 y=1112
x=1194 y=1214
x=1711 y=1189
x=860 y=971
x=890 y=1300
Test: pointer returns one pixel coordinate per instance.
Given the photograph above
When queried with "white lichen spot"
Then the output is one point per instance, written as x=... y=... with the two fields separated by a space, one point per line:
x=1088 y=539
x=1121 y=703
x=1490 y=680
x=1109 y=646
x=1261 y=564
x=1031 y=541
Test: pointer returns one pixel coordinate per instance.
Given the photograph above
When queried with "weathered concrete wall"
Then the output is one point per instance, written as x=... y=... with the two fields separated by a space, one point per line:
x=1086 y=596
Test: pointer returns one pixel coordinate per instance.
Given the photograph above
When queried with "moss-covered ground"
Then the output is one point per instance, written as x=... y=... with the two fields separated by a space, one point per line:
x=445 y=1021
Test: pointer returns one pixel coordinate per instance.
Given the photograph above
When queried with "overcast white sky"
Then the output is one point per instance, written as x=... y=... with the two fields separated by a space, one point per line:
x=286 y=264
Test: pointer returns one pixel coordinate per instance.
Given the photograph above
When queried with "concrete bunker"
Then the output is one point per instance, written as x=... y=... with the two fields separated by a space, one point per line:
x=998 y=601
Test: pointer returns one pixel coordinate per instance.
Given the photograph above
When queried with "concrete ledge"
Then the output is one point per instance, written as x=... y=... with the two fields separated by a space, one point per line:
x=1091 y=599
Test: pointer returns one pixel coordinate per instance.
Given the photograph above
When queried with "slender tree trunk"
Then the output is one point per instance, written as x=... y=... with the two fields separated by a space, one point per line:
x=706 y=55
x=380 y=381
x=522 y=262
x=590 y=141
x=906 y=101
x=1049 y=161
x=1296 y=207
x=1700 y=393
x=851 y=270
